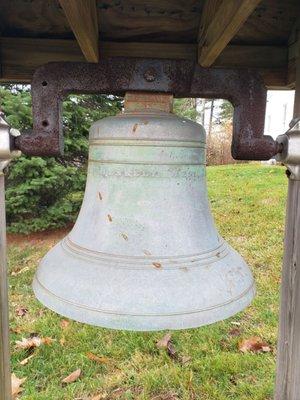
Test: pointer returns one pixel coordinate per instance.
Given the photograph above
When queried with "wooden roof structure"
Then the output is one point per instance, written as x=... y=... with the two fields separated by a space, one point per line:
x=260 y=34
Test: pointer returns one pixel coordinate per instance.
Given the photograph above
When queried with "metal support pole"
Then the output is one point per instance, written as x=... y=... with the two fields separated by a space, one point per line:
x=288 y=354
x=6 y=154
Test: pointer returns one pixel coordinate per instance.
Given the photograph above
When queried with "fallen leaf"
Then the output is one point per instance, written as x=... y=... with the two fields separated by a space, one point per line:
x=72 y=377
x=235 y=323
x=32 y=342
x=21 y=311
x=171 y=350
x=25 y=269
x=47 y=340
x=64 y=324
x=40 y=313
x=185 y=359
x=16 y=384
x=163 y=343
x=166 y=396
x=235 y=332
x=166 y=343
x=98 y=397
x=17 y=330
x=98 y=359
x=254 y=344
x=62 y=341
x=115 y=394
x=25 y=361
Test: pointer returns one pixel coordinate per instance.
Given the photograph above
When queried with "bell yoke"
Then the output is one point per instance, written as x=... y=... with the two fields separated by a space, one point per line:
x=144 y=253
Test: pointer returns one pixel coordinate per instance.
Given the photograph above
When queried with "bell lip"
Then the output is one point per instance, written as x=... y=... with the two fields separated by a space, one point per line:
x=142 y=322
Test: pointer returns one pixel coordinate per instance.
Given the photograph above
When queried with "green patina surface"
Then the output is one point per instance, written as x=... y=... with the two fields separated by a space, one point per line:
x=248 y=202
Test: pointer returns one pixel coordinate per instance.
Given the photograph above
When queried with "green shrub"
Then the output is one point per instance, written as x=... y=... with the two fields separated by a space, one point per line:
x=46 y=193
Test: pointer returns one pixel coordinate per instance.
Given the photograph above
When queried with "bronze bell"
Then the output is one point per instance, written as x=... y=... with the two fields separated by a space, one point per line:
x=144 y=253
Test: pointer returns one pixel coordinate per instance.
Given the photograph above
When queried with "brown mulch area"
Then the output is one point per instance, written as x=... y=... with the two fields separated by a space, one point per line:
x=37 y=238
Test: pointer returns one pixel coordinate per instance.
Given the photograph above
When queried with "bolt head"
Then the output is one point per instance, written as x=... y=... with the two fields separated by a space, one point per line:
x=150 y=74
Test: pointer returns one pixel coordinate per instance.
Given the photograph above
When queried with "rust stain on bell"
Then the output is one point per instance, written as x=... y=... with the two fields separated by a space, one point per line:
x=157 y=265
x=100 y=196
x=109 y=217
x=135 y=126
x=124 y=236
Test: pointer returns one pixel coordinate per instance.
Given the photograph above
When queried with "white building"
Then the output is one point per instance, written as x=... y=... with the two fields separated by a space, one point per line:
x=279 y=112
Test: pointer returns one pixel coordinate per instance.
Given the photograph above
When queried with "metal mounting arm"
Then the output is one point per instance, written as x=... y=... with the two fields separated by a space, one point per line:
x=243 y=88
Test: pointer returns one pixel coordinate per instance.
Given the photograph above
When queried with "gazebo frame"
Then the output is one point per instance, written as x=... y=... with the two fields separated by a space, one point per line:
x=173 y=70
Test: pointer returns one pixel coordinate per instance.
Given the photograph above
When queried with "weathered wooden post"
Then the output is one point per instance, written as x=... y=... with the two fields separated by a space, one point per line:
x=288 y=357
x=5 y=381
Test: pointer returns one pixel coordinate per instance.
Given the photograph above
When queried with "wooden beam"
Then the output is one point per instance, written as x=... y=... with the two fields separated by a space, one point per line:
x=209 y=10
x=21 y=56
x=82 y=17
x=254 y=56
x=220 y=21
x=293 y=53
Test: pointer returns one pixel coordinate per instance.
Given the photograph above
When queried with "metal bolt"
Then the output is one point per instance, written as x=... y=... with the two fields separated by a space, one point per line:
x=150 y=74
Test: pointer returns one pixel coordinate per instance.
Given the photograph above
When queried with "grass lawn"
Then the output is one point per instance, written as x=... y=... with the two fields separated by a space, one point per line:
x=248 y=202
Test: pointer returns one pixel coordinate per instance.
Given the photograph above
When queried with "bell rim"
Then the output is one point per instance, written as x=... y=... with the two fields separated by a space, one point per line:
x=144 y=322
x=36 y=282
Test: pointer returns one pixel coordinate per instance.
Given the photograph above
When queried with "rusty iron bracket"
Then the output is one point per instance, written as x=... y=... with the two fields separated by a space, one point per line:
x=243 y=88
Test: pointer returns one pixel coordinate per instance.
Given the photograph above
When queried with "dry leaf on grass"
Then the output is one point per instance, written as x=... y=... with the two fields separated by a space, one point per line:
x=171 y=350
x=235 y=332
x=185 y=359
x=235 y=323
x=115 y=394
x=25 y=361
x=16 y=384
x=166 y=343
x=166 y=396
x=72 y=377
x=21 y=311
x=163 y=343
x=32 y=342
x=64 y=324
x=98 y=359
x=254 y=344
x=17 y=330
x=25 y=269
x=98 y=397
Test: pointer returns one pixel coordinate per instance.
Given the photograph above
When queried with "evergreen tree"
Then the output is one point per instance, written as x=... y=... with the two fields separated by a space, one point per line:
x=226 y=112
x=44 y=193
x=186 y=108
